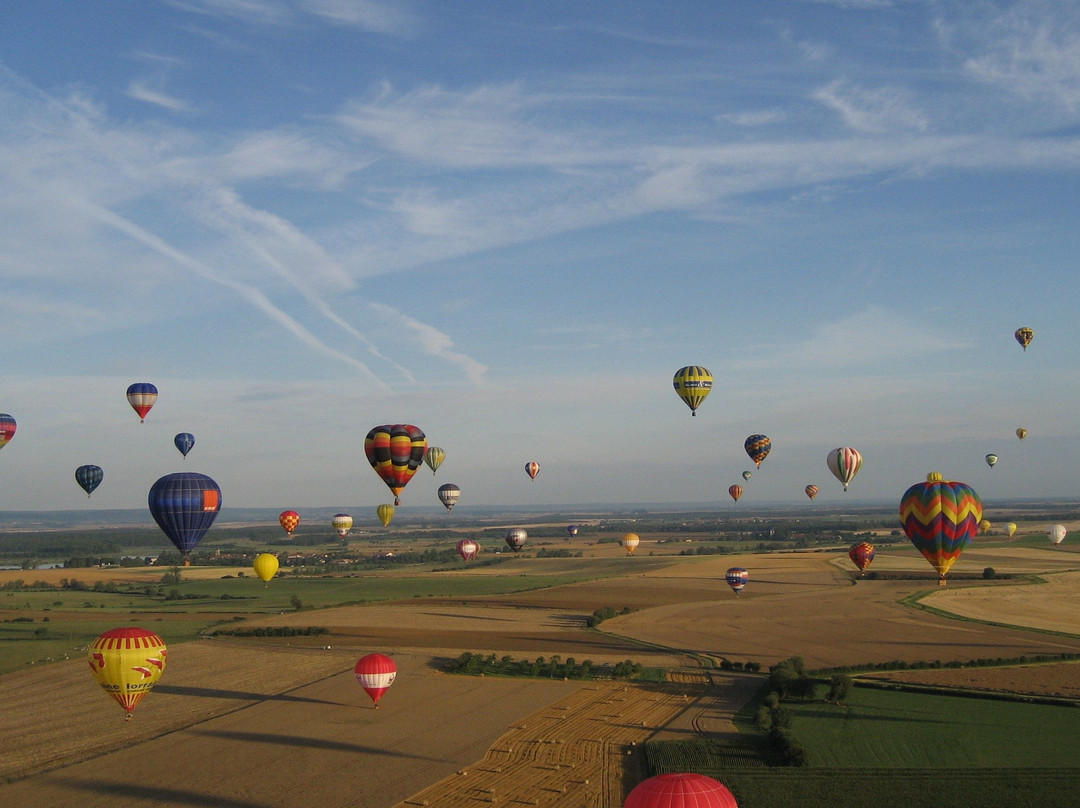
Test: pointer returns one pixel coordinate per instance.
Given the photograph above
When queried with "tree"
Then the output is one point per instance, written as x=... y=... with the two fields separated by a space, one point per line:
x=839 y=688
x=296 y=603
x=172 y=576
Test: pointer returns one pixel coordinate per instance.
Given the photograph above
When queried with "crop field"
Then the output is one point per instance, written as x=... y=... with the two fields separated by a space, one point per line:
x=280 y=721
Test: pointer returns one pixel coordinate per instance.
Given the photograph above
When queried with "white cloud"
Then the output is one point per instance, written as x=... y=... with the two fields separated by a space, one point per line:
x=883 y=110
x=383 y=18
x=140 y=92
x=760 y=117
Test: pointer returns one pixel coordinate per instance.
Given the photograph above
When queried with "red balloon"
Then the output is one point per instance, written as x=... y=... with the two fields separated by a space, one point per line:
x=682 y=790
x=375 y=673
x=289 y=520
x=735 y=491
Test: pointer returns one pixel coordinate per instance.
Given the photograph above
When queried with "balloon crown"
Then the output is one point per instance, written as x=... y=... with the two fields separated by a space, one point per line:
x=934 y=477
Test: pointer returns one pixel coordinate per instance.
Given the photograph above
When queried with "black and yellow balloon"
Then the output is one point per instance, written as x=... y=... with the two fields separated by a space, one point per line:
x=693 y=383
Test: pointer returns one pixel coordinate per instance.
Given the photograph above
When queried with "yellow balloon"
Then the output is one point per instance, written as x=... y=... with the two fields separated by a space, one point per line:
x=126 y=662
x=386 y=513
x=692 y=384
x=266 y=566
x=1010 y=529
x=984 y=526
x=630 y=541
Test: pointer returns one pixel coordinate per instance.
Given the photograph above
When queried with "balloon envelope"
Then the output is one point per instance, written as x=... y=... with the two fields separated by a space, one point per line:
x=142 y=396
x=184 y=441
x=126 y=662
x=572 y=530
x=532 y=468
x=1024 y=336
x=289 y=520
x=1057 y=533
x=746 y=475
x=736 y=578
x=991 y=460
x=385 y=514
x=341 y=523
x=735 y=491
x=434 y=457
x=89 y=478
x=693 y=383
x=375 y=673
x=184 y=505
x=940 y=518
x=395 y=451
x=861 y=554
x=680 y=790
x=757 y=446
x=265 y=566
x=516 y=538
x=1021 y=433
x=630 y=541
x=7 y=429
x=811 y=491
x=449 y=495
x=468 y=549
x=1010 y=529
x=844 y=463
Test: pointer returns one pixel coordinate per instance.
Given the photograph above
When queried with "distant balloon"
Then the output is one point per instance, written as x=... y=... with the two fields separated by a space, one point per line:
x=1021 y=433
x=266 y=566
x=468 y=549
x=680 y=790
x=737 y=578
x=572 y=530
x=89 y=478
x=127 y=662
x=735 y=491
x=991 y=460
x=630 y=541
x=449 y=495
x=341 y=523
x=1010 y=529
x=184 y=505
x=141 y=396
x=375 y=673
x=861 y=554
x=746 y=475
x=385 y=514
x=289 y=520
x=844 y=463
x=811 y=491
x=7 y=429
x=184 y=441
x=984 y=526
x=1024 y=336
x=532 y=468
x=1057 y=533
x=434 y=457
x=395 y=451
x=693 y=383
x=941 y=518
x=757 y=446
x=516 y=538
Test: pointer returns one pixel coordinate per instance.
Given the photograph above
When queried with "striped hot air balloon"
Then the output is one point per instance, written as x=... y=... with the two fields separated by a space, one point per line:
x=941 y=518
x=737 y=578
x=127 y=662
x=142 y=396
x=844 y=463
x=395 y=451
x=7 y=429
x=811 y=491
x=375 y=673
x=735 y=491
x=693 y=383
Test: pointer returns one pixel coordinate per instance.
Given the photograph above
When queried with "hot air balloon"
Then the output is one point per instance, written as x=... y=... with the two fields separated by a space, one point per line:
x=89 y=478
x=680 y=790
x=127 y=662
x=735 y=491
x=7 y=429
x=1021 y=433
x=395 y=451
x=532 y=468
x=941 y=518
x=1024 y=336
x=757 y=446
x=266 y=566
x=184 y=505
x=571 y=530
x=736 y=578
x=746 y=475
x=693 y=383
x=449 y=495
x=844 y=463
x=984 y=525
x=468 y=549
x=141 y=396
x=516 y=538
x=1057 y=533
x=991 y=460
x=861 y=554
x=385 y=514
x=341 y=523
x=184 y=441
x=434 y=457
x=811 y=491
x=630 y=541
x=1010 y=529
x=289 y=520
x=375 y=673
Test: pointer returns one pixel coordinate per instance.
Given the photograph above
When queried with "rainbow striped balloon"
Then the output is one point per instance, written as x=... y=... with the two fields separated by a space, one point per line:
x=941 y=518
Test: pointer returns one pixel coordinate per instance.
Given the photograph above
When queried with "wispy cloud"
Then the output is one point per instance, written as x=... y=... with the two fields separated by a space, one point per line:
x=880 y=110
x=432 y=340
x=370 y=15
x=141 y=92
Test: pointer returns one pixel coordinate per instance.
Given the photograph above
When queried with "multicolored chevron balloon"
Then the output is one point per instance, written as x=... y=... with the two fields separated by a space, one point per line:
x=941 y=518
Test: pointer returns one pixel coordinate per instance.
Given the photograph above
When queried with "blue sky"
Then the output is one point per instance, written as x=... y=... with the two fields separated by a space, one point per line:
x=510 y=224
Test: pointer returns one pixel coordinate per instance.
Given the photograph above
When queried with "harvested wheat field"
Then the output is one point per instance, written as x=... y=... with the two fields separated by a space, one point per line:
x=256 y=724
